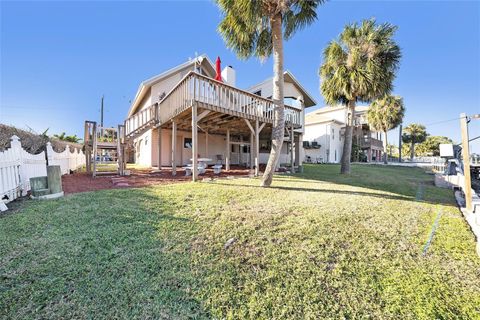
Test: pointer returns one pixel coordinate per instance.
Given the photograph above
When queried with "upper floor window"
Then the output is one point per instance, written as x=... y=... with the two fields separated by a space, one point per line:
x=333 y=134
x=161 y=96
x=258 y=93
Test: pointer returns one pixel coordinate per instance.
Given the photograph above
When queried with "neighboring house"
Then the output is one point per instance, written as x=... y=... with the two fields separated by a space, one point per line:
x=325 y=131
x=229 y=121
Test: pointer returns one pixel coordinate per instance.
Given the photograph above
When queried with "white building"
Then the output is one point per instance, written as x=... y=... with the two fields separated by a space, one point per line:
x=325 y=131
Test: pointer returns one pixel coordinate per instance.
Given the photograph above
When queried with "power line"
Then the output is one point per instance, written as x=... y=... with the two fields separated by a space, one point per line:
x=442 y=121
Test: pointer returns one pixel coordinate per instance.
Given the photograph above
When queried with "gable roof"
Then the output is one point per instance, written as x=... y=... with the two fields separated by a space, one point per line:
x=315 y=117
x=328 y=109
x=143 y=88
x=289 y=77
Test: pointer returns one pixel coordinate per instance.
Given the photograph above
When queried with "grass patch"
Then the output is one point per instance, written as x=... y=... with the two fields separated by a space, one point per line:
x=315 y=245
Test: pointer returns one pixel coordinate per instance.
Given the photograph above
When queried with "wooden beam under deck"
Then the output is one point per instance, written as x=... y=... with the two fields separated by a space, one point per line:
x=216 y=123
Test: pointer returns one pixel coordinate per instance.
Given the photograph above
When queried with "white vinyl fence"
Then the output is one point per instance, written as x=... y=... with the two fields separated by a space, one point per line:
x=17 y=167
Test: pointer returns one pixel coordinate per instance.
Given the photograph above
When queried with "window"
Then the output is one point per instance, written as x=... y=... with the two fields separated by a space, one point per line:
x=146 y=140
x=333 y=134
x=258 y=93
x=161 y=96
x=187 y=143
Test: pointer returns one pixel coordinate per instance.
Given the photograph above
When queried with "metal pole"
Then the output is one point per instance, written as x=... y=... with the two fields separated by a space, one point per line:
x=400 y=144
x=101 y=113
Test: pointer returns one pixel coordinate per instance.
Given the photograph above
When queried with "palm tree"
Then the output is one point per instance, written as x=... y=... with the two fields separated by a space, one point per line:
x=64 y=137
x=414 y=133
x=386 y=114
x=359 y=66
x=257 y=28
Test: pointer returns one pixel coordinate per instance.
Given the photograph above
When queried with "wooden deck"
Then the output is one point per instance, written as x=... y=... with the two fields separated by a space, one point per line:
x=199 y=102
x=222 y=103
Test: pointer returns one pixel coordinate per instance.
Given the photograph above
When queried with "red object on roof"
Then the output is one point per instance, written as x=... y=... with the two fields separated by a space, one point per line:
x=218 y=74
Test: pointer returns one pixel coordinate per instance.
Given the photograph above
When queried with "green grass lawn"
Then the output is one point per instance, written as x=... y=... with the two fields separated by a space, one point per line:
x=315 y=245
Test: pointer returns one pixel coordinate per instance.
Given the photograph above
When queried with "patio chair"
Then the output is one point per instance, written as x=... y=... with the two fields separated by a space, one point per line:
x=219 y=159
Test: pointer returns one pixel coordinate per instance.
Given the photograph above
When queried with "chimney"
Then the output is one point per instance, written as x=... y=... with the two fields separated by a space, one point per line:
x=229 y=75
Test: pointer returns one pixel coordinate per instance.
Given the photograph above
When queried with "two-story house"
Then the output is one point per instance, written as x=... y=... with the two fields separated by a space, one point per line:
x=184 y=114
x=325 y=131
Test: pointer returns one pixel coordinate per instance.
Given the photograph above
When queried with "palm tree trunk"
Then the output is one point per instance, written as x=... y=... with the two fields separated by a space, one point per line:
x=385 y=151
x=278 y=130
x=412 y=150
x=347 y=142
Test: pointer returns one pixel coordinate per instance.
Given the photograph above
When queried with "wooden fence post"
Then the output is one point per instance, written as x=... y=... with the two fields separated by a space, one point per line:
x=466 y=163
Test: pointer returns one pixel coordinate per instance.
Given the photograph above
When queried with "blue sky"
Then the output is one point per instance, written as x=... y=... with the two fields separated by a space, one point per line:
x=58 y=58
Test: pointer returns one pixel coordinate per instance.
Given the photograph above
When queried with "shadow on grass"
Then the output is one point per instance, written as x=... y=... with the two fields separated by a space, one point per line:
x=106 y=254
x=401 y=182
x=315 y=190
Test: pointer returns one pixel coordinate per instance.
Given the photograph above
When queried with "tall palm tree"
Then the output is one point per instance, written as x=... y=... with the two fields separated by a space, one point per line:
x=257 y=28
x=414 y=133
x=386 y=114
x=359 y=66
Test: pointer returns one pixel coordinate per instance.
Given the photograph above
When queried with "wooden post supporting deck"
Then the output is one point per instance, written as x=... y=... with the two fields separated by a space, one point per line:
x=251 y=149
x=298 y=152
x=227 y=151
x=257 y=150
x=174 y=146
x=292 y=150
x=206 y=144
x=159 y=154
x=194 y=143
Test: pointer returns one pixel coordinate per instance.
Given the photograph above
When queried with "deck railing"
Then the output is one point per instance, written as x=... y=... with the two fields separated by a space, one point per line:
x=370 y=142
x=209 y=94
x=141 y=119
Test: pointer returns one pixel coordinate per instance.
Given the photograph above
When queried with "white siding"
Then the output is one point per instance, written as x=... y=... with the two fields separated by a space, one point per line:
x=143 y=149
x=329 y=144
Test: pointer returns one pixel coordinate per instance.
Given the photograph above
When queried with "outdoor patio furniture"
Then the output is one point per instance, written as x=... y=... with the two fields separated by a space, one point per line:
x=219 y=158
x=202 y=167
x=217 y=169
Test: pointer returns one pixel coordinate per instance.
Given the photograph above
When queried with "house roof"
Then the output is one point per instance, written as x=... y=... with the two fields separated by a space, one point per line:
x=328 y=109
x=309 y=100
x=315 y=117
x=147 y=84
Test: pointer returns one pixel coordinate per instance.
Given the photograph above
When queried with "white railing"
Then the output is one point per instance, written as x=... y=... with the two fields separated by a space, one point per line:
x=17 y=167
x=438 y=164
x=210 y=94
x=140 y=119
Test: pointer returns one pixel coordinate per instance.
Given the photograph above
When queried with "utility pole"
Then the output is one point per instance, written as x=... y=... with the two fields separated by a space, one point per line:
x=466 y=162
x=101 y=114
x=400 y=144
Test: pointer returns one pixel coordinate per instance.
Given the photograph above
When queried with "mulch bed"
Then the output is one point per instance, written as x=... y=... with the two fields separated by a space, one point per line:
x=83 y=182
